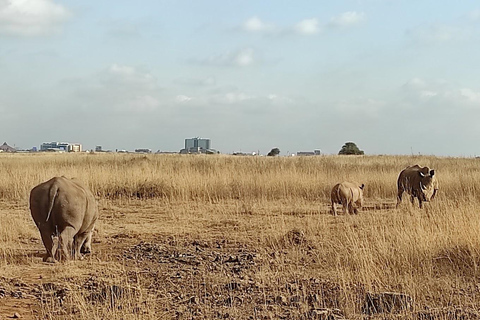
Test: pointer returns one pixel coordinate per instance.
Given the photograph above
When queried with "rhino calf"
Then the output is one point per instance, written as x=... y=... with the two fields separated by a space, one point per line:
x=347 y=194
x=418 y=182
x=65 y=213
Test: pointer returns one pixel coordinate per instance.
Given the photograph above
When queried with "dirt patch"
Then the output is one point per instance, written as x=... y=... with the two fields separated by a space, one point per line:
x=217 y=279
x=23 y=299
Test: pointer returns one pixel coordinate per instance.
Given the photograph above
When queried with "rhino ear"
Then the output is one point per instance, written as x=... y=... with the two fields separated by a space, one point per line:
x=362 y=186
x=432 y=172
x=421 y=174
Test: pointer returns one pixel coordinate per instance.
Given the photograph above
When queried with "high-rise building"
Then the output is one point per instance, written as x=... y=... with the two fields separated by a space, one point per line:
x=197 y=144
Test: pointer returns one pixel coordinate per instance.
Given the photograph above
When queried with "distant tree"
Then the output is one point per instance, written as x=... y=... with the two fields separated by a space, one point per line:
x=274 y=152
x=350 y=148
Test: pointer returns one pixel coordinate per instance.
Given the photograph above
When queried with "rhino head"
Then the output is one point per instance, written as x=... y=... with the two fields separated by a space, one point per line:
x=359 y=202
x=426 y=183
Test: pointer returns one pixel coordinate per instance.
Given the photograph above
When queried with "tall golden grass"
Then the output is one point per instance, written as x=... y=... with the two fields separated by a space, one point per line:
x=432 y=254
x=213 y=178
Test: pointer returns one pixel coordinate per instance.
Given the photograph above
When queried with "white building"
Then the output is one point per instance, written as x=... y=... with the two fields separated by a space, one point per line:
x=61 y=146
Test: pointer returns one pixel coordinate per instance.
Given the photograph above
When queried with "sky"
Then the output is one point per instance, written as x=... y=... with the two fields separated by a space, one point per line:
x=392 y=76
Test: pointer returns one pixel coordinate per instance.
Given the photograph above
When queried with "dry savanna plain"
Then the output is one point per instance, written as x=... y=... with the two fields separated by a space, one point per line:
x=225 y=237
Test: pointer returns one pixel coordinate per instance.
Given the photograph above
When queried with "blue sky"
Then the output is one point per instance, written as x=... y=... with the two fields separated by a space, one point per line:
x=395 y=77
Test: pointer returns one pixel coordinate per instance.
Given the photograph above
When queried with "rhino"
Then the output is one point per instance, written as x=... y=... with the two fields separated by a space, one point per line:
x=347 y=194
x=418 y=182
x=65 y=213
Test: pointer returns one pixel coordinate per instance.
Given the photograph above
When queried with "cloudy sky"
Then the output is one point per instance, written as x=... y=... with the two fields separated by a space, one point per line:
x=393 y=76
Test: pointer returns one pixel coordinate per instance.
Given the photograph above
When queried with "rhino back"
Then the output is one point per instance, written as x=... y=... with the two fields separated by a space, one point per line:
x=409 y=177
x=76 y=206
x=73 y=205
x=349 y=191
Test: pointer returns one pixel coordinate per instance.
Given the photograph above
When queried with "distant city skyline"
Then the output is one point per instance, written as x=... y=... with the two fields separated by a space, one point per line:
x=395 y=77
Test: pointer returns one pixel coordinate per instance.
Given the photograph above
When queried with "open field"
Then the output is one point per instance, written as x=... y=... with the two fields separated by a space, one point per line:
x=224 y=237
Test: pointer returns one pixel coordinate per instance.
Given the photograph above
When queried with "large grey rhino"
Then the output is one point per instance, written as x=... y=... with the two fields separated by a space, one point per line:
x=64 y=210
x=418 y=182
x=347 y=194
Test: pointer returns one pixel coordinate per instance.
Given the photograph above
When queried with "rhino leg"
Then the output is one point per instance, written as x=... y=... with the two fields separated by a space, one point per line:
x=399 y=197
x=334 y=210
x=87 y=245
x=420 y=203
x=46 y=232
x=82 y=244
x=344 y=206
x=359 y=205
x=65 y=249
x=351 y=209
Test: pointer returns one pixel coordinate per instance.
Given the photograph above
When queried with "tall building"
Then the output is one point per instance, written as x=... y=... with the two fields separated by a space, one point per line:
x=197 y=144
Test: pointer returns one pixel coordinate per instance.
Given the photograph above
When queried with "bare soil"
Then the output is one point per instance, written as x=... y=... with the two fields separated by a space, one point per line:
x=197 y=261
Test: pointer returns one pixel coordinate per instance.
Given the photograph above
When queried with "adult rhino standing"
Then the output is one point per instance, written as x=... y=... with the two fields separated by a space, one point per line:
x=347 y=194
x=418 y=182
x=64 y=208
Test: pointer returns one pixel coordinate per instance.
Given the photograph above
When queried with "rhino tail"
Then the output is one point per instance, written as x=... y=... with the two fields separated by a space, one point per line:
x=51 y=196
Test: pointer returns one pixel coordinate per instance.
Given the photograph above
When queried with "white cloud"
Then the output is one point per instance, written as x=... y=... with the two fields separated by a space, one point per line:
x=31 y=17
x=144 y=103
x=347 y=19
x=240 y=58
x=441 y=93
x=417 y=88
x=307 y=27
x=207 y=81
x=245 y=57
x=182 y=98
x=428 y=93
x=122 y=75
x=474 y=15
x=439 y=33
x=123 y=28
x=254 y=24
x=115 y=90
x=470 y=95
x=415 y=83
x=230 y=98
x=278 y=99
x=360 y=107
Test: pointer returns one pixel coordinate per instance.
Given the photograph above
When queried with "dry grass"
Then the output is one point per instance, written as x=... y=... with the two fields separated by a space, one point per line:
x=243 y=237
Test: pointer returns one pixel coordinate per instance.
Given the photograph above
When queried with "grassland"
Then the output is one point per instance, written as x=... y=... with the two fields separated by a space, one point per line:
x=210 y=237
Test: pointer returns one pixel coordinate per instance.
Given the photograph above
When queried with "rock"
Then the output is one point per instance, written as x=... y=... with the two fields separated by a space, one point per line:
x=390 y=302
x=16 y=315
x=280 y=299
